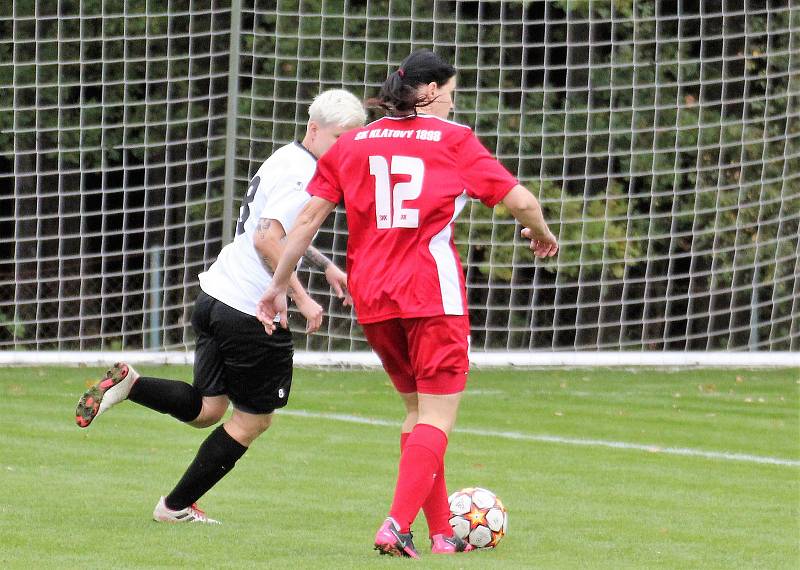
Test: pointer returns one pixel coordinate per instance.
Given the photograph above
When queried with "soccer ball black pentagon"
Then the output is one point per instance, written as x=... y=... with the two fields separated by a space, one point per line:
x=478 y=516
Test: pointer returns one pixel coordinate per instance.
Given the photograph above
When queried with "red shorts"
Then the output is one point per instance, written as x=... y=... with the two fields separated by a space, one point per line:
x=425 y=354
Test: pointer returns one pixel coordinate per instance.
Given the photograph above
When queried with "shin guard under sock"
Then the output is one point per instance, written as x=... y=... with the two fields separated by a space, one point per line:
x=436 y=506
x=422 y=458
x=215 y=459
x=178 y=399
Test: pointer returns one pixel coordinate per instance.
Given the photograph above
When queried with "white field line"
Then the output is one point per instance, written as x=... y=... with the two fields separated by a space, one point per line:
x=688 y=452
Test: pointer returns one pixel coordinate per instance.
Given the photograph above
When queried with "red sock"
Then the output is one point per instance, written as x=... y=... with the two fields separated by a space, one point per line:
x=422 y=458
x=436 y=506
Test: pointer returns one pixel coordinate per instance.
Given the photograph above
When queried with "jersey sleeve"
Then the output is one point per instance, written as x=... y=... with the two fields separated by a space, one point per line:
x=483 y=176
x=325 y=183
x=285 y=208
x=285 y=199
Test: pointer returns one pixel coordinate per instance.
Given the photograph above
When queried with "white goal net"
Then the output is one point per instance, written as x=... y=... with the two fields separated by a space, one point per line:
x=662 y=138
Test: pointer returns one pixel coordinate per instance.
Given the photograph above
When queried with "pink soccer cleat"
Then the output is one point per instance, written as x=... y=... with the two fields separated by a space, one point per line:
x=441 y=544
x=389 y=540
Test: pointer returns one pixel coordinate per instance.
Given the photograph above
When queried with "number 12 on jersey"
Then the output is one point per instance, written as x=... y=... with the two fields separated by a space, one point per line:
x=389 y=211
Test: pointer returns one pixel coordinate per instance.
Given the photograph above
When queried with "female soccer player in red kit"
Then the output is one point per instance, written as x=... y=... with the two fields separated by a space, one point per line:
x=404 y=179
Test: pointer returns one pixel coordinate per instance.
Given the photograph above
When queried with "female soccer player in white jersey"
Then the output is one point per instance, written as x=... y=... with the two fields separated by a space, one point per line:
x=404 y=179
x=235 y=360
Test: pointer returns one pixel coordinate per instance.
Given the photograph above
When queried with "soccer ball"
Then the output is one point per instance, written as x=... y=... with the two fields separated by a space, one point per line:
x=478 y=516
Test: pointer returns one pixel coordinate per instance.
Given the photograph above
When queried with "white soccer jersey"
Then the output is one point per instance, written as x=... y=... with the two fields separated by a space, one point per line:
x=277 y=192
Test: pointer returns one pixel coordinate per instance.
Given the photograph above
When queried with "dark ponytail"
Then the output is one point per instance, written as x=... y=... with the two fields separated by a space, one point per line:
x=398 y=94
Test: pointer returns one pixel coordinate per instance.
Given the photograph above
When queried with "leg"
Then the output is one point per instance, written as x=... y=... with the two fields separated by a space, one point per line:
x=245 y=427
x=213 y=408
x=121 y=382
x=217 y=456
x=388 y=339
x=435 y=507
x=254 y=371
x=422 y=462
x=437 y=513
x=180 y=400
x=430 y=415
x=410 y=401
x=439 y=410
x=201 y=404
x=440 y=370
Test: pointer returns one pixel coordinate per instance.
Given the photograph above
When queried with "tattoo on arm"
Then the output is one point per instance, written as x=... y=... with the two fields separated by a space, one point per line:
x=315 y=259
x=262 y=226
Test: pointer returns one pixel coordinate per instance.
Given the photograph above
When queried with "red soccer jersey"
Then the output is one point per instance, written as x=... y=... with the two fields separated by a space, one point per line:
x=404 y=181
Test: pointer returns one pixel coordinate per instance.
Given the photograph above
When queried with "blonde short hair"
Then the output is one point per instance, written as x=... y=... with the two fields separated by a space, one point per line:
x=337 y=108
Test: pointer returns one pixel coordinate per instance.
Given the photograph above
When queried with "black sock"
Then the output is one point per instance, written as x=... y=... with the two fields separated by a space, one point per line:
x=215 y=458
x=178 y=399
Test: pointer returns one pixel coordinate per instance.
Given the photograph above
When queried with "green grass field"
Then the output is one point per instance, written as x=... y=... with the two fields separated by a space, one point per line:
x=311 y=492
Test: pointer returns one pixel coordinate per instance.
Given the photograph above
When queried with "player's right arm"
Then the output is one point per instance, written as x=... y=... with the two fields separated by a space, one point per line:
x=305 y=228
x=267 y=241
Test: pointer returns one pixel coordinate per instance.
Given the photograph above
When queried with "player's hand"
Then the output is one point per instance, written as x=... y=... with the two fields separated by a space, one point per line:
x=542 y=246
x=312 y=311
x=337 y=279
x=272 y=303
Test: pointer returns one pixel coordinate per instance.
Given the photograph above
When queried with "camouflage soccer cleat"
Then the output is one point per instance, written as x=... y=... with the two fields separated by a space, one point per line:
x=389 y=540
x=111 y=390
x=191 y=514
x=441 y=544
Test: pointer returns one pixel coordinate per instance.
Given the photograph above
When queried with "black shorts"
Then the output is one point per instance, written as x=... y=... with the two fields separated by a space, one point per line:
x=236 y=358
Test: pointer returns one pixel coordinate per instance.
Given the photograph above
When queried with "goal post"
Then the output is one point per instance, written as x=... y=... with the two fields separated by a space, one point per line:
x=662 y=139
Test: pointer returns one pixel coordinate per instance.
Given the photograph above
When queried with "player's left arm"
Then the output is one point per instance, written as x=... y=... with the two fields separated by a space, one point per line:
x=526 y=209
x=486 y=179
x=316 y=259
x=336 y=278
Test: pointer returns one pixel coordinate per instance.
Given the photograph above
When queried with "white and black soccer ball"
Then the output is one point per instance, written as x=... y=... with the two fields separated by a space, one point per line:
x=478 y=516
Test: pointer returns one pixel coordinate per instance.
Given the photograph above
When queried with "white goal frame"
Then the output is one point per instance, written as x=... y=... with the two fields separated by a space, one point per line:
x=516 y=359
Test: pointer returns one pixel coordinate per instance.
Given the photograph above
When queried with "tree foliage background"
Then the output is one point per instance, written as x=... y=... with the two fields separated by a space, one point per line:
x=663 y=139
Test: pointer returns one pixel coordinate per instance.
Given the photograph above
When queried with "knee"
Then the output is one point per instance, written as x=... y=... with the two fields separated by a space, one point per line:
x=245 y=431
x=411 y=403
x=412 y=417
x=259 y=426
x=210 y=414
x=204 y=421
